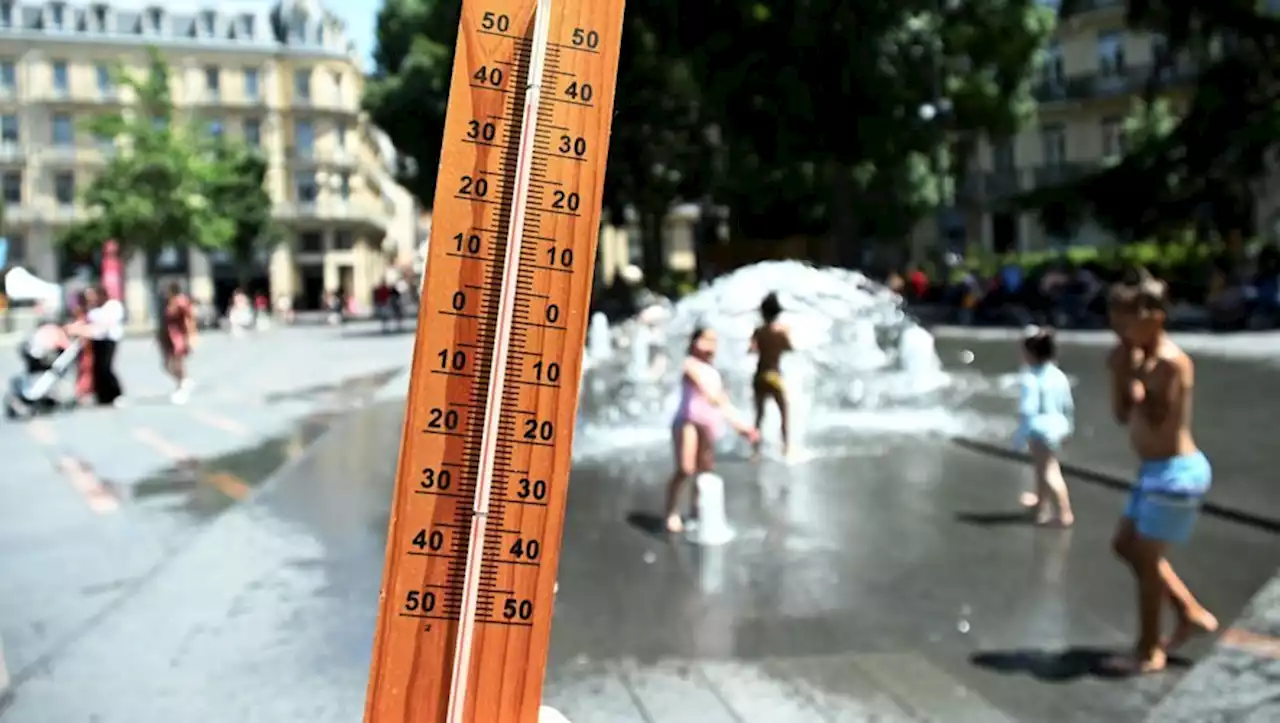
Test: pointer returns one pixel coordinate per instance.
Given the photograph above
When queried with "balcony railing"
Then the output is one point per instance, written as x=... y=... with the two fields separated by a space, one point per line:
x=1059 y=173
x=1072 y=8
x=12 y=152
x=18 y=213
x=333 y=210
x=982 y=187
x=1127 y=81
x=329 y=103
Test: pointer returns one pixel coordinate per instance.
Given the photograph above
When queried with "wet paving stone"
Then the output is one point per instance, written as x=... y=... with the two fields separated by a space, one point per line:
x=887 y=586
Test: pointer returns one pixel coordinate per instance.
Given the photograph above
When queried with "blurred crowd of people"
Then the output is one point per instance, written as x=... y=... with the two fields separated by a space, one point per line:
x=1242 y=294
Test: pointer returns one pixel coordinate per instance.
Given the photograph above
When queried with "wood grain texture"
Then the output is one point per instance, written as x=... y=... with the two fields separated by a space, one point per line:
x=427 y=543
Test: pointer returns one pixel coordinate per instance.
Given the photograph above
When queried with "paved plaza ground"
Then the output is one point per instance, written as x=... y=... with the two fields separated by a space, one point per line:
x=888 y=583
x=93 y=500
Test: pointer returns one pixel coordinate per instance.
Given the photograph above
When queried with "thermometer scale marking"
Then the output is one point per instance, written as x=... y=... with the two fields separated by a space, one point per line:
x=478 y=511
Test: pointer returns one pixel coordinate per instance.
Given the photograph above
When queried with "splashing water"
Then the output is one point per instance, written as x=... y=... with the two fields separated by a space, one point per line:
x=599 y=340
x=858 y=360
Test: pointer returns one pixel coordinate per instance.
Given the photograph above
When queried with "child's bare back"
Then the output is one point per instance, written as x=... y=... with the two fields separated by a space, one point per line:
x=770 y=342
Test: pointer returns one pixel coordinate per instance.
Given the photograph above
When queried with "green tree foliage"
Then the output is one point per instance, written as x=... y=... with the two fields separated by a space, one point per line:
x=153 y=191
x=1222 y=143
x=828 y=95
x=409 y=90
x=238 y=194
x=791 y=112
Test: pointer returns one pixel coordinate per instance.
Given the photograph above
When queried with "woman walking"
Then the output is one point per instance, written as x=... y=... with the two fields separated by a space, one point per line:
x=106 y=328
x=84 y=365
x=177 y=336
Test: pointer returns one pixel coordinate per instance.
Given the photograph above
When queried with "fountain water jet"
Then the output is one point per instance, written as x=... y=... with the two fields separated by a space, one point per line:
x=858 y=359
x=599 y=340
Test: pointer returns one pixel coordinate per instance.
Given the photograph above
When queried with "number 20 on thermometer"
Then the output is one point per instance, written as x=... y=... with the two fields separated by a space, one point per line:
x=474 y=539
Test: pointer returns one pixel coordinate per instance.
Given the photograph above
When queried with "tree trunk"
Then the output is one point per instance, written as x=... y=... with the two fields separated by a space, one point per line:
x=847 y=251
x=654 y=248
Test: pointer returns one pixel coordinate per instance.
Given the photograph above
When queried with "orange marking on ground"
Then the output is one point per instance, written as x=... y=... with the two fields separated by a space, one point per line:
x=219 y=422
x=228 y=484
x=42 y=432
x=84 y=481
x=225 y=482
x=166 y=448
x=1262 y=645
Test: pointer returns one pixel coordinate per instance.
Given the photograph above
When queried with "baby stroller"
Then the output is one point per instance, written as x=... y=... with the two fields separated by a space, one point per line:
x=48 y=354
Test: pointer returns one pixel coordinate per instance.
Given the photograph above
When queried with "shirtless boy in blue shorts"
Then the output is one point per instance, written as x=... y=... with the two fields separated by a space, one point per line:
x=1152 y=384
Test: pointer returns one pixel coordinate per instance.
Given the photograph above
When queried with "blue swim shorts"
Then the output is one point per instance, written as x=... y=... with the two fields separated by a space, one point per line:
x=1165 y=503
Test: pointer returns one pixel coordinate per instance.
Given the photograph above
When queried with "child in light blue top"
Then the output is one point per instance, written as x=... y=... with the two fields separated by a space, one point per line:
x=1046 y=417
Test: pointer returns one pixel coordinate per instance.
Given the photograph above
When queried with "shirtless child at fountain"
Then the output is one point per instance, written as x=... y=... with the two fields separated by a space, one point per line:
x=1152 y=384
x=770 y=341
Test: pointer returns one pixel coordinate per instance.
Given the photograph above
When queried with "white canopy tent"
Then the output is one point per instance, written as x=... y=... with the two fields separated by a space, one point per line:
x=22 y=285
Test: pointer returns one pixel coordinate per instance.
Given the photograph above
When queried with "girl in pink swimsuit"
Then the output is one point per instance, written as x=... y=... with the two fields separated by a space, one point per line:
x=699 y=421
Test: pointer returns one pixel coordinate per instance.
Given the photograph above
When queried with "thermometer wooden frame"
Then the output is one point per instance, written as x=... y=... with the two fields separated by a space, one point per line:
x=473 y=545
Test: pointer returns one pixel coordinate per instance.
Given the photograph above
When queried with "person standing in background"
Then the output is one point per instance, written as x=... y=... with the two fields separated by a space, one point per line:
x=177 y=336
x=84 y=364
x=105 y=318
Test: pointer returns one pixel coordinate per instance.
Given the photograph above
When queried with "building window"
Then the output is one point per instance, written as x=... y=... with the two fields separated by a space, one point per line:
x=310 y=243
x=63 y=133
x=344 y=186
x=337 y=84
x=64 y=188
x=57 y=15
x=1053 y=71
x=106 y=85
x=61 y=79
x=159 y=123
x=1053 y=145
x=340 y=136
x=1113 y=140
x=8 y=77
x=302 y=84
x=6 y=14
x=207 y=22
x=1111 y=54
x=1003 y=157
x=253 y=132
x=215 y=128
x=9 y=129
x=212 y=83
x=11 y=187
x=251 y=86
x=246 y=26
x=304 y=138
x=100 y=18
x=304 y=187
x=343 y=241
x=155 y=19
x=17 y=248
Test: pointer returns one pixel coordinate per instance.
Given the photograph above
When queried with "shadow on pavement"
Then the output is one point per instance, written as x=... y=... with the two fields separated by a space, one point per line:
x=365 y=332
x=1058 y=666
x=347 y=390
x=995 y=519
x=649 y=523
x=1211 y=508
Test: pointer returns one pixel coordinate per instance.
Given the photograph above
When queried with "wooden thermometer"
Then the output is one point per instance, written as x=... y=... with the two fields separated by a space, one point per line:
x=476 y=523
